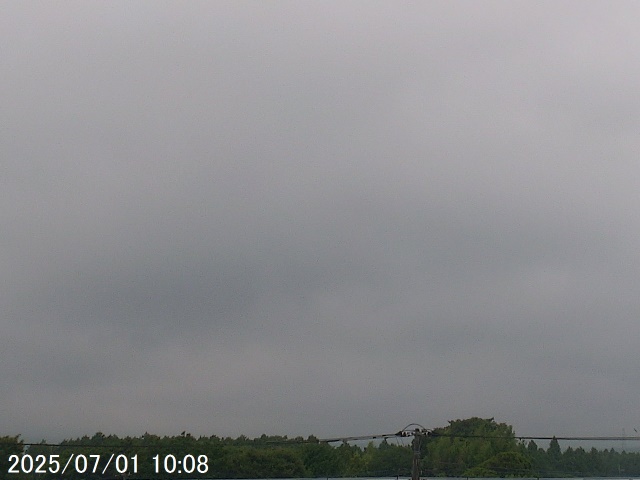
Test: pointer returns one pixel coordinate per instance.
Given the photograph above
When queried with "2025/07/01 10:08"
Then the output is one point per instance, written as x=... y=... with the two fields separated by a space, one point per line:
x=168 y=464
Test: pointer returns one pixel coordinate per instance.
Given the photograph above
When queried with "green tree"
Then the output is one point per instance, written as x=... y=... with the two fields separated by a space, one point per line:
x=321 y=460
x=554 y=458
x=390 y=460
x=246 y=462
x=503 y=464
x=465 y=444
x=9 y=446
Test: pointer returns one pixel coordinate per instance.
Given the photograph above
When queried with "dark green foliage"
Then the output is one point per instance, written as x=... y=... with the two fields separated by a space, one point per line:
x=320 y=460
x=474 y=447
x=503 y=464
x=388 y=460
x=247 y=462
x=9 y=446
x=465 y=444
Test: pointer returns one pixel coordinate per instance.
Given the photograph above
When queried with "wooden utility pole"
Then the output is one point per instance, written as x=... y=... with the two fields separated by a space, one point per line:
x=415 y=466
x=418 y=432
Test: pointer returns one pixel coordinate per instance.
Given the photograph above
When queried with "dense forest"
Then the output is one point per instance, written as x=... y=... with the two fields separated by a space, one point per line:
x=473 y=447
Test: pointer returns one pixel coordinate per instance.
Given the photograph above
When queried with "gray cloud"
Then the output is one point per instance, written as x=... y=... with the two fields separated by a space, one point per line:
x=328 y=219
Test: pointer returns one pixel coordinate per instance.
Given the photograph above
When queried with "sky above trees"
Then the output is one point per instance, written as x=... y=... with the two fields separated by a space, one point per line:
x=328 y=218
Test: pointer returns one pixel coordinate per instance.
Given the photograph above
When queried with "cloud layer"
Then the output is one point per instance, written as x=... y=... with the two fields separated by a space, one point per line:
x=330 y=219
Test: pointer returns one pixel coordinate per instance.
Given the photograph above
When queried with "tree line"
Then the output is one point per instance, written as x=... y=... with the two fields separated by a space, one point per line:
x=473 y=447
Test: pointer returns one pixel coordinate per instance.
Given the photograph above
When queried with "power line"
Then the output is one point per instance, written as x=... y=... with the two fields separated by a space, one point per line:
x=400 y=434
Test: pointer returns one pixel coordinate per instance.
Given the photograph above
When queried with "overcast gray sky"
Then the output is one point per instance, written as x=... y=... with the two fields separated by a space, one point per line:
x=328 y=218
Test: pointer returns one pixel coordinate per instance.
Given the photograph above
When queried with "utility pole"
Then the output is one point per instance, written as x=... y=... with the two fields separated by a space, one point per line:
x=415 y=466
x=418 y=432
